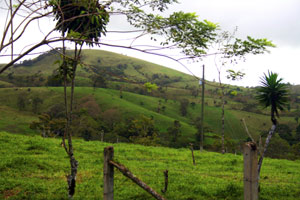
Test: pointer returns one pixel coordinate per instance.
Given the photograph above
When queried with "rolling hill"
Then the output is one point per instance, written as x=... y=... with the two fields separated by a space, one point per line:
x=122 y=88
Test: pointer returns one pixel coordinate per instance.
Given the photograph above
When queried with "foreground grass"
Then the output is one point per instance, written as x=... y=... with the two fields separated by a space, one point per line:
x=32 y=167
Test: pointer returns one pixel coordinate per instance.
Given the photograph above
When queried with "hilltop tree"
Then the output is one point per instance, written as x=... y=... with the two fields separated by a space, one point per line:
x=272 y=93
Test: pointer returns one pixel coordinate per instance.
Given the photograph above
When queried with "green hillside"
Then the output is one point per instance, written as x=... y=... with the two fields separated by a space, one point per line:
x=110 y=65
x=129 y=106
x=32 y=167
x=110 y=96
x=132 y=105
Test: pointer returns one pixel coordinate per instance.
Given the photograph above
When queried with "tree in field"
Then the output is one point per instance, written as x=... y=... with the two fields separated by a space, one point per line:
x=149 y=87
x=48 y=125
x=231 y=50
x=87 y=28
x=274 y=94
x=175 y=132
x=142 y=131
x=36 y=104
x=21 y=102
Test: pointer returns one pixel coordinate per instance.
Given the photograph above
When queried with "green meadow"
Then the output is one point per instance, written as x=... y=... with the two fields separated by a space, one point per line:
x=32 y=167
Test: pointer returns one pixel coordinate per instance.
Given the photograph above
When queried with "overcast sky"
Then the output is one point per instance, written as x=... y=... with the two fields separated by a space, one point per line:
x=276 y=20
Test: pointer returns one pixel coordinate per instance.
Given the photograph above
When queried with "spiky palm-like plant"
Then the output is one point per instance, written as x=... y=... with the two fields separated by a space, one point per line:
x=273 y=93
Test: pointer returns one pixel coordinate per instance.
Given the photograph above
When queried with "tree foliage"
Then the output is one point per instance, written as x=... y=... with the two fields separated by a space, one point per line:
x=273 y=93
x=86 y=19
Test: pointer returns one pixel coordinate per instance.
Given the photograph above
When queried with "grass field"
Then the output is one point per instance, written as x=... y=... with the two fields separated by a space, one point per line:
x=32 y=167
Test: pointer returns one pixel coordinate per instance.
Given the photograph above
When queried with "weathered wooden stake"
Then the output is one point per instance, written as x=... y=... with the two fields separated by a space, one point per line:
x=250 y=171
x=166 y=181
x=108 y=174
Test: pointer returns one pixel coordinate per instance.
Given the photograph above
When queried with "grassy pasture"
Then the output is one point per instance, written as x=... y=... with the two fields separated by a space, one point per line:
x=32 y=167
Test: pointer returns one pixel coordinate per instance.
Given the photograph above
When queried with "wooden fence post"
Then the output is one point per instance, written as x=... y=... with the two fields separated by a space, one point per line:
x=192 y=149
x=250 y=172
x=166 y=181
x=108 y=174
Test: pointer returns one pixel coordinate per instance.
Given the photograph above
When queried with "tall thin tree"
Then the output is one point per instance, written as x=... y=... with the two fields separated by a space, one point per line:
x=272 y=93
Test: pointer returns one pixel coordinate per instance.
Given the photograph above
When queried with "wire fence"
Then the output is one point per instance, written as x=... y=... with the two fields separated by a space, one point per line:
x=249 y=178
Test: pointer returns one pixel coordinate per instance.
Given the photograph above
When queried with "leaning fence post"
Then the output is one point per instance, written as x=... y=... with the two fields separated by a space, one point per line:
x=108 y=174
x=250 y=172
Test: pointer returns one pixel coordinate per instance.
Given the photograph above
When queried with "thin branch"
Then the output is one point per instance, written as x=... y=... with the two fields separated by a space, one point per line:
x=28 y=51
x=22 y=32
x=9 y=23
x=247 y=131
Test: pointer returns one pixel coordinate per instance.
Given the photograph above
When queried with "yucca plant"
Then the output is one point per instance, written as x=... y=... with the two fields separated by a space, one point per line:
x=272 y=93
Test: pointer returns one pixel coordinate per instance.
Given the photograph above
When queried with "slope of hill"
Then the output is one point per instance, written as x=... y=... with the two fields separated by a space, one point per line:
x=97 y=62
x=131 y=105
x=122 y=80
x=32 y=167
